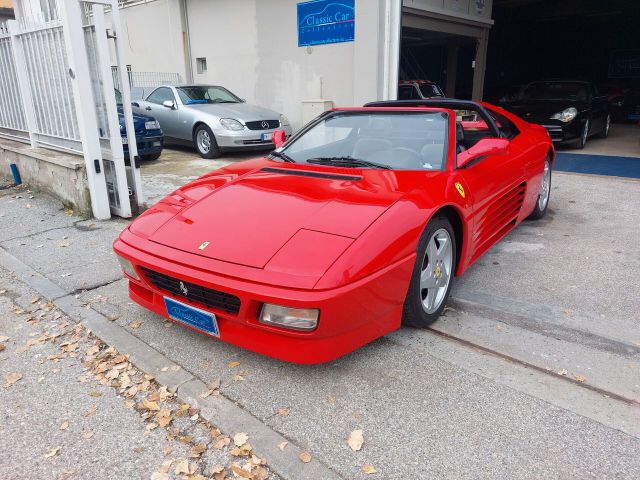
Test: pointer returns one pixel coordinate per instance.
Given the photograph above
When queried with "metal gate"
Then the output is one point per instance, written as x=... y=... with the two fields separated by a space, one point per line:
x=55 y=59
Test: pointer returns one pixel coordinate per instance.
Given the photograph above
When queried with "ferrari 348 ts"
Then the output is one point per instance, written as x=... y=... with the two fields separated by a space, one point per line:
x=357 y=224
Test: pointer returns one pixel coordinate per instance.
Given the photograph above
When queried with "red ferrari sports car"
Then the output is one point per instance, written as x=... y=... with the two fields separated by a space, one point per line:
x=354 y=226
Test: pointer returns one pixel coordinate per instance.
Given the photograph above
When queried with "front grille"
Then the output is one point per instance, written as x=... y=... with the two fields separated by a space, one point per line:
x=195 y=293
x=263 y=124
x=555 y=132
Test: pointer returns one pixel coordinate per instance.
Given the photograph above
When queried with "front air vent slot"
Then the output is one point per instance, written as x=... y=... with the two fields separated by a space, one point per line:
x=305 y=173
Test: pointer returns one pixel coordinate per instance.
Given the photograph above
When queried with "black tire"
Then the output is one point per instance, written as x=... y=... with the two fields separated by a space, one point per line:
x=413 y=313
x=605 y=128
x=151 y=157
x=214 y=150
x=582 y=141
x=539 y=211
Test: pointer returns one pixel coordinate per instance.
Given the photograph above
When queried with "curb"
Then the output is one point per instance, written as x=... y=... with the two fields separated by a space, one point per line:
x=218 y=410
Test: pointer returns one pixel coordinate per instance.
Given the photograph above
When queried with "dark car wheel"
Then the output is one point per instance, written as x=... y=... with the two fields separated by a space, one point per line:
x=606 y=127
x=433 y=274
x=582 y=141
x=150 y=157
x=205 y=142
x=545 y=193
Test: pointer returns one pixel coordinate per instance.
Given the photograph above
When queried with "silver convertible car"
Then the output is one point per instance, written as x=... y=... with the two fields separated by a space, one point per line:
x=212 y=119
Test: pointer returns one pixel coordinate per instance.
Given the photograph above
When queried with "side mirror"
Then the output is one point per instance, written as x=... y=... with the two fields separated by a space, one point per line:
x=169 y=104
x=486 y=146
x=279 y=137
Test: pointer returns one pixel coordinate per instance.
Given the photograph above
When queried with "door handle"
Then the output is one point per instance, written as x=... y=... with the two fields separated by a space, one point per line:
x=148 y=109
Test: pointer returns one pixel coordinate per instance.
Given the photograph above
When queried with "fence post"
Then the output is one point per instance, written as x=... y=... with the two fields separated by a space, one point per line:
x=71 y=16
x=23 y=81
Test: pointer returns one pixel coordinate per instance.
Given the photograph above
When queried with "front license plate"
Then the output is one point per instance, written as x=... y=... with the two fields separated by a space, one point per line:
x=266 y=137
x=192 y=316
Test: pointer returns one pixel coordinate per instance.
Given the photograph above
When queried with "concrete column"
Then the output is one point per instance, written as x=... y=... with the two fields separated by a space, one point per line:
x=452 y=70
x=480 y=67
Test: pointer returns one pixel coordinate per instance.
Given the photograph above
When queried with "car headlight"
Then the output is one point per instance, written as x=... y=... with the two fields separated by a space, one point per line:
x=566 y=115
x=231 y=124
x=304 y=319
x=284 y=121
x=127 y=267
x=152 y=125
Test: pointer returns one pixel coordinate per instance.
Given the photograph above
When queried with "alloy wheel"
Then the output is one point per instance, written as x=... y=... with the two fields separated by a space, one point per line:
x=545 y=188
x=204 y=141
x=437 y=270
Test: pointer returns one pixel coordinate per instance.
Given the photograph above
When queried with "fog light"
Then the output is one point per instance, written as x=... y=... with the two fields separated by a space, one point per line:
x=288 y=317
x=127 y=268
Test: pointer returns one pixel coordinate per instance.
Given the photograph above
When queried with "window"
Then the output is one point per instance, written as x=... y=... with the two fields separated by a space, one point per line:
x=408 y=92
x=161 y=95
x=430 y=90
x=506 y=126
x=201 y=65
x=206 y=94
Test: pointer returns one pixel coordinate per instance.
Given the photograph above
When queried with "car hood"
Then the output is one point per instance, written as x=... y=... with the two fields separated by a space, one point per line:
x=541 y=108
x=239 y=111
x=275 y=214
x=138 y=119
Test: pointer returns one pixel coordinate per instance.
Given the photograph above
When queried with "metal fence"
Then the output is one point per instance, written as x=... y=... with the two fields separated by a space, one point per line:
x=12 y=118
x=143 y=83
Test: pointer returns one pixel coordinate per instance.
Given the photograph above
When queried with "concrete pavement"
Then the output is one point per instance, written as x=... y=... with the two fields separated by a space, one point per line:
x=512 y=383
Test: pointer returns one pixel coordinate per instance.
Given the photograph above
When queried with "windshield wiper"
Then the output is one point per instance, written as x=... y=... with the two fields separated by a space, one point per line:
x=348 y=162
x=282 y=156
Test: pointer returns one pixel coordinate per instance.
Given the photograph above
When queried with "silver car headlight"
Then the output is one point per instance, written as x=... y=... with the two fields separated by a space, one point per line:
x=152 y=125
x=566 y=115
x=231 y=124
x=284 y=121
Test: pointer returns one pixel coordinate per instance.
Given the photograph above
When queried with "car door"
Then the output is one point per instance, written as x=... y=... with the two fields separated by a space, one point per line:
x=497 y=189
x=169 y=118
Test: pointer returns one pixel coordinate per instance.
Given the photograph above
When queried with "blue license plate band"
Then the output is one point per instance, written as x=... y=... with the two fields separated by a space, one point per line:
x=195 y=317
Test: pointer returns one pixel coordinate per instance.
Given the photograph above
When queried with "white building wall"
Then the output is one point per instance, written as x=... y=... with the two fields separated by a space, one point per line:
x=251 y=47
x=154 y=37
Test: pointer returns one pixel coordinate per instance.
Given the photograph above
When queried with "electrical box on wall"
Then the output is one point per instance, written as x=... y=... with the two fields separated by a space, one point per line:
x=312 y=108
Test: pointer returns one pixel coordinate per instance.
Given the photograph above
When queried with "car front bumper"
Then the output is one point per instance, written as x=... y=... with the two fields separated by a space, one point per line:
x=147 y=145
x=248 y=139
x=350 y=316
x=562 y=132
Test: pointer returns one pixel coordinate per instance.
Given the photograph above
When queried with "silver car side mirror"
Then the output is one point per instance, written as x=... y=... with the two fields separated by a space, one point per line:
x=169 y=104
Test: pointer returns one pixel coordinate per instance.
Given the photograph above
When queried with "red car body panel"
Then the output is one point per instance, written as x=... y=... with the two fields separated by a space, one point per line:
x=344 y=245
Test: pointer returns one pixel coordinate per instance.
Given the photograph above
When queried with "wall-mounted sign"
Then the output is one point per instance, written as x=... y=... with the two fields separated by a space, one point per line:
x=326 y=21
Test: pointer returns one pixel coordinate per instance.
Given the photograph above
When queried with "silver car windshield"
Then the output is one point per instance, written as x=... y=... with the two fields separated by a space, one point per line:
x=391 y=140
x=206 y=94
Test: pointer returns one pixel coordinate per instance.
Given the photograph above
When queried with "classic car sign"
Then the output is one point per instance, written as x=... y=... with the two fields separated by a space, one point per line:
x=325 y=21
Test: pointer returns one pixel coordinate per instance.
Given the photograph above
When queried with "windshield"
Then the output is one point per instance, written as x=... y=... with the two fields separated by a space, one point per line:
x=118 y=96
x=556 y=91
x=204 y=94
x=360 y=139
x=430 y=90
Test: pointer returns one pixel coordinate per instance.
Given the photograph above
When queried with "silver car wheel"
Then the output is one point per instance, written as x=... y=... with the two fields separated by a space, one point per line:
x=545 y=188
x=585 y=132
x=436 y=273
x=607 y=126
x=204 y=141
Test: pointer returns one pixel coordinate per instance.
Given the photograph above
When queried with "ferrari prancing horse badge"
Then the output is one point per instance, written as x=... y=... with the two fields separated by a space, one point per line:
x=460 y=189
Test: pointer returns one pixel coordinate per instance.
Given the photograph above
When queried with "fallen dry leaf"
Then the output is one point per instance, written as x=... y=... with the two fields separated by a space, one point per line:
x=95 y=394
x=241 y=472
x=240 y=439
x=87 y=435
x=91 y=411
x=233 y=364
x=163 y=417
x=563 y=372
x=284 y=412
x=355 y=440
x=580 y=378
x=182 y=466
x=3 y=338
x=2 y=347
x=64 y=425
x=368 y=469
x=305 y=457
x=221 y=443
x=198 y=450
x=283 y=445
x=135 y=324
x=53 y=452
x=152 y=406
x=11 y=378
